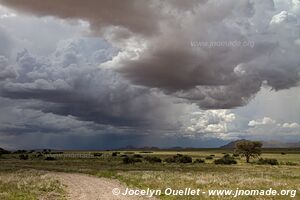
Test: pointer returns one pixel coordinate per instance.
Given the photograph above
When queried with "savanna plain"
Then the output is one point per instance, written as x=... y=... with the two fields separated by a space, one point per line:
x=24 y=174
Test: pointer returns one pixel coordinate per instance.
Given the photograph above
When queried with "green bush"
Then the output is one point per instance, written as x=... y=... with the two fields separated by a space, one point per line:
x=131 y=160
x=185 y=159
x=3 y=151
x=291 y=163
x=236 y=155
x=127 y=160
x=153 y=159
x=267 y=161
x=225 y=160
x=209 y=158
x=199 y=161
x=39 y=155
x=212 y=155
x=179 y=158
x=137 y=156
x=47 y=151
x=23 y=157
x=115 y=153
x=20 y=151
x=50 y=158
x=97 y=154
x=170 y=160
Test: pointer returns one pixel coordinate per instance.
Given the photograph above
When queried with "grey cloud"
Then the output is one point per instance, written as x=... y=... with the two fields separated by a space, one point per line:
x=211 y=77
x=67 y=99
x=24 y=127
x=208 y=75
x=6 y=43
x=130 y=14
x=105 y=141
x=21 y=120
x=69 y=83
x=68 y=90
x=6 y=71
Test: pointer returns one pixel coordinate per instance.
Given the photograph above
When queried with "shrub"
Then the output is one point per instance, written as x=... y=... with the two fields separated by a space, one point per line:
x=128 y=160
x=146 y=152
x=282 y=153
x=3 y=151
x=208 y=157
x=131 y=160
x=23 y=157
x=170 y=160
x=47 y=151
x=185 y=159
x=179 y=158
x=124 y=155
x=20 y=151
x=236 y=155
x=137 y=160
x=153 y=159
x=39 y=155
x=291 y=163
x=225 y=160
x=50 y=158
x=267 y=161
x=137 y=156
x=115 y=153
x=97 y=154
x=212 y=155
x=199 y=161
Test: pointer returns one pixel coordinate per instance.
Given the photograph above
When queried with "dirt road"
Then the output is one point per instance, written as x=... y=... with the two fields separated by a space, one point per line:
x=85 y=187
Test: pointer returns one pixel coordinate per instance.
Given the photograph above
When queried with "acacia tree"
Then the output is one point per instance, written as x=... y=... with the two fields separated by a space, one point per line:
x=248 y=149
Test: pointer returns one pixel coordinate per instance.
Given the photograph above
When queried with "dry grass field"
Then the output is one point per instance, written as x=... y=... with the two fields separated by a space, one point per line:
x=29 y=185
x=23 y=179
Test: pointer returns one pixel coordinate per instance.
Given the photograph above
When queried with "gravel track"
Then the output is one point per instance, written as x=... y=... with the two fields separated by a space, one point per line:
x=85 y=187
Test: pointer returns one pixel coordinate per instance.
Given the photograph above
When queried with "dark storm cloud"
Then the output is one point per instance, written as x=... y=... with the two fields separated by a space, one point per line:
x=130 y=14
x=213 y=77
x=69 y=83
x=104 y=141
x=27 y=128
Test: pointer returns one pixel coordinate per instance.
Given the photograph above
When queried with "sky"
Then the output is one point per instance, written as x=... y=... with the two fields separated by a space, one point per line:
x=107 y=74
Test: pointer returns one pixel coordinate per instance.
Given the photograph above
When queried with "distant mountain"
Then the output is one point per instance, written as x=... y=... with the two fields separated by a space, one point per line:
x=231 y=145
x=266 y=144
x=3 y=151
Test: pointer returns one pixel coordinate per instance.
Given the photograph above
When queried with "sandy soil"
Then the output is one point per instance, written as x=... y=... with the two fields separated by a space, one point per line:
x=85 y=187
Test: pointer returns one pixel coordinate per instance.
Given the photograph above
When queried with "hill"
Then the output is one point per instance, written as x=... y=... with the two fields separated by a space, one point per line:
x=266 y=144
